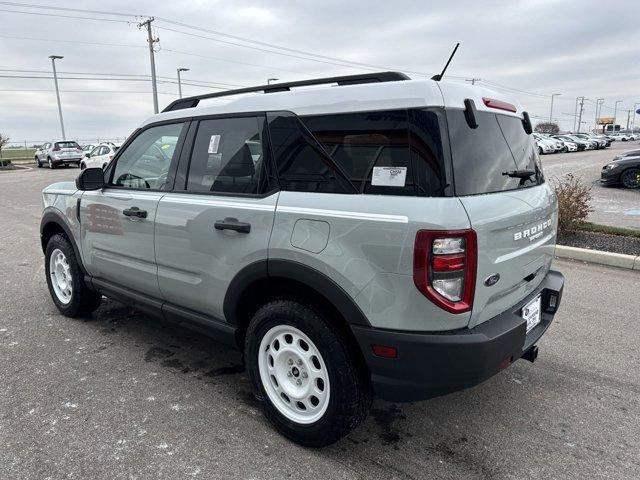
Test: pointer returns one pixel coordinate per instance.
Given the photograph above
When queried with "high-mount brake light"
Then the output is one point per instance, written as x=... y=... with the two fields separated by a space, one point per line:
x=499 y=104
x=444 y=267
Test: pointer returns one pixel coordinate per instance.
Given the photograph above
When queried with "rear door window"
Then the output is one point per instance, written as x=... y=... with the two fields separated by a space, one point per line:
x=481 y=155
x=228 y=156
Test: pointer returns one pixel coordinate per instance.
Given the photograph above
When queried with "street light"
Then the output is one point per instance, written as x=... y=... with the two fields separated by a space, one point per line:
x=551 y=110
x=615 y=112
x=599 y=101
x=55 y=79
x=635 y=107
x=269 y=80
x=179 y=83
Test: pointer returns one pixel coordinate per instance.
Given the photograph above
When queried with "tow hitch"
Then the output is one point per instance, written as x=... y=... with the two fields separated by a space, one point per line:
x=531 y=354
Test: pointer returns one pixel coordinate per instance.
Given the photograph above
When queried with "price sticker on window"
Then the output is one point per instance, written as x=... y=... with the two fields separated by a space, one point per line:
x=214 y=142
x=389 y=176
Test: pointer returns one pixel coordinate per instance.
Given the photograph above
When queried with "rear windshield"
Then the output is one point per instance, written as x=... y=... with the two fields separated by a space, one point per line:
x=67 y=145
x=482 y=155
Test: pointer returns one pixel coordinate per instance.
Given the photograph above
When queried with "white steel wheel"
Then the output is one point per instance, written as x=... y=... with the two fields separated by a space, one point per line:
x=61 y=279
x=293 y=374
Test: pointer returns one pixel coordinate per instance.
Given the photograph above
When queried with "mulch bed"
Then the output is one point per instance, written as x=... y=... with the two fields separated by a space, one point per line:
x=601 y=241
x=10 y=167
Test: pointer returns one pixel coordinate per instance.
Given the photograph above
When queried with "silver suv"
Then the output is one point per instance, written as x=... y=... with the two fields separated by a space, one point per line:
x=54 y=154
x=364 y=235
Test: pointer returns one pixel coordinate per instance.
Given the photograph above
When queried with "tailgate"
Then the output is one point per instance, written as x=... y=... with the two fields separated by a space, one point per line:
x=516 y=233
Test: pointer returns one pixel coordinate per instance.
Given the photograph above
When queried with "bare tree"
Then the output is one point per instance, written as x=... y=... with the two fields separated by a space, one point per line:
x=547 y=127
x=3 y=141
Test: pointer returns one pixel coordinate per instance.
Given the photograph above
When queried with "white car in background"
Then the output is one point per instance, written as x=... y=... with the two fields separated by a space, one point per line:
x=100 y=156
x=544 y=145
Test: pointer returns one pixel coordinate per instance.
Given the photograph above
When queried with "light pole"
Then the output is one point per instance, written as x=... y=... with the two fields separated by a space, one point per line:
x=55 y=79
x=599 y=101
x=615 y=112
x=151 y=40
x=551 y=109
x=633 y=123
x=269 y=80
x=180 y=84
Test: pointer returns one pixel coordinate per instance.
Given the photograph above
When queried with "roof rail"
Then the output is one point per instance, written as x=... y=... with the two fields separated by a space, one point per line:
x=190 y=102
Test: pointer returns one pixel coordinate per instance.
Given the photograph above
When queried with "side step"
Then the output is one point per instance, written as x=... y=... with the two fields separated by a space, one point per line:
x=531 y=354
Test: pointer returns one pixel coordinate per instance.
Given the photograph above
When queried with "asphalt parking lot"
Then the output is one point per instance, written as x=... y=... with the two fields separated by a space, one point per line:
x=613 y=206
x=120 y=395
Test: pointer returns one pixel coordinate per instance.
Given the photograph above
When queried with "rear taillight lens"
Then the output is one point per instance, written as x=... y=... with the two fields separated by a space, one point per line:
x=444 y=267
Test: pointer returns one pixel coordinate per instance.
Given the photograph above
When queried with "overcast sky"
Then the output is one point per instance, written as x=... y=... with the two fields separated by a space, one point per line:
x=589 y=48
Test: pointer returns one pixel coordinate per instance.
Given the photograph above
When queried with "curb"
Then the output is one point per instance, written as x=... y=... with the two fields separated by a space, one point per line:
x=619 y=260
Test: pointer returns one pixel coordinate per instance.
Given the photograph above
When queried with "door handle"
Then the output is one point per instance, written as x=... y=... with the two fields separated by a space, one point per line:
x=134 y=212
x=232 y=224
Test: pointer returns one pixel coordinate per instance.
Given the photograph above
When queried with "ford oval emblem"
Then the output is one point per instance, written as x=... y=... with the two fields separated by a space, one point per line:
x=492 y=280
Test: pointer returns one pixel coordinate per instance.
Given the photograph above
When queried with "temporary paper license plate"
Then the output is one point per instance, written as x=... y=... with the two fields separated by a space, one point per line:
x=531 y=312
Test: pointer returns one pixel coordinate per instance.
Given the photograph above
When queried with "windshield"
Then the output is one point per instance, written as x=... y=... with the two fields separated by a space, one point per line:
x=482 y=155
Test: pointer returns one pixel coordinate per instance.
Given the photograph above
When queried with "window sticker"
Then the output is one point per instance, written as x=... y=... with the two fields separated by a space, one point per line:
x=389 y=176
x=214 y=142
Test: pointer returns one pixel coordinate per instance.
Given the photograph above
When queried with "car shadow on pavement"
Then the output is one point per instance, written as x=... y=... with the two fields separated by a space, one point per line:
x=451 y=429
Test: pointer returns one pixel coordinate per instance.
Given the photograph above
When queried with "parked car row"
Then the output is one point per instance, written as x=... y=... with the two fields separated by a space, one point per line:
x=63 y=153
x=571 y=142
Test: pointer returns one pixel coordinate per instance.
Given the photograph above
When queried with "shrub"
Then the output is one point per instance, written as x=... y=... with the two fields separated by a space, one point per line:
x=574 y=201
x=5 y=162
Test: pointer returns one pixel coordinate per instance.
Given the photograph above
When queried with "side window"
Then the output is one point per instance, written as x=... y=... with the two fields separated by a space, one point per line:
x=145 y=162
x=302 y=163
x=228 y=156
x=371 y=147
x=95 y=151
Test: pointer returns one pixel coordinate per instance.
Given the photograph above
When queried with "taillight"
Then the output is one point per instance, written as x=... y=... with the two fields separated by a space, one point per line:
x=444 y=267
x=56 y=148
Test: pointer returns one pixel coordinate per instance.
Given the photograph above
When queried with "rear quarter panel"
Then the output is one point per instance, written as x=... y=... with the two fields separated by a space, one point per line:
x=369 y=250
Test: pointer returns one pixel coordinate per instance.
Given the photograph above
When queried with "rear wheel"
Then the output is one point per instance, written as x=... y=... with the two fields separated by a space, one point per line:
x=82 y=166
x=310 y=383
x=539 y=150
x=65 y=280
x=630 y=178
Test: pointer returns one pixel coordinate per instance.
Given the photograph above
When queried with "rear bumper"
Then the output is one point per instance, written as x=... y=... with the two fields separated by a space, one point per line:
x=432 y=364
x=64 y=161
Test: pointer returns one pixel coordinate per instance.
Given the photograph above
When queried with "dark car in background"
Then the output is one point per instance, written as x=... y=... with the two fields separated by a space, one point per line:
x=623 y=170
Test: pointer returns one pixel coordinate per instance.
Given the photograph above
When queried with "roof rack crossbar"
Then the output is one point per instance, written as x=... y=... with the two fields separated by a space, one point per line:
x=190 y=102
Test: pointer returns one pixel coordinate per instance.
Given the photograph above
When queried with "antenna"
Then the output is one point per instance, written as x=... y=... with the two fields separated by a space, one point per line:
x=437 y=78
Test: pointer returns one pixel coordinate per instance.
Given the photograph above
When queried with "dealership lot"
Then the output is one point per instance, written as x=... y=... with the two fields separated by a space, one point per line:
x=616 y=206
x=124 y=396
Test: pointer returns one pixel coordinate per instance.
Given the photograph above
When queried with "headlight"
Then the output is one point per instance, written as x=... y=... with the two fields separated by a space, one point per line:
x=610 y=166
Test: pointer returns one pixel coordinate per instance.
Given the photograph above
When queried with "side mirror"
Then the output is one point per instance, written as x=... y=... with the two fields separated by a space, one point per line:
x=90 y=179
x=88 y=154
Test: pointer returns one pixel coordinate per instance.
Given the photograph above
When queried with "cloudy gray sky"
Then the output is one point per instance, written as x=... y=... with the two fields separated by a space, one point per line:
x=534 y=48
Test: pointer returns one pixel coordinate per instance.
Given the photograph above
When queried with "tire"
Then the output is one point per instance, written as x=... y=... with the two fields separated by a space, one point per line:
x=38 y=162
x=630 y=178
x=50 y=162
x=342 y=387
x=539 y=150
x=78 y=300
x=82 y=165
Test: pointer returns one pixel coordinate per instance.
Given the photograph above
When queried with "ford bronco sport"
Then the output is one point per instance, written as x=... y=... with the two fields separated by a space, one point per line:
x=367 y=234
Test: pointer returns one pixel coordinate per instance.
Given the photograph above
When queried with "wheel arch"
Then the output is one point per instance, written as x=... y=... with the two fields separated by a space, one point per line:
x=53 y=223
x=267 y=279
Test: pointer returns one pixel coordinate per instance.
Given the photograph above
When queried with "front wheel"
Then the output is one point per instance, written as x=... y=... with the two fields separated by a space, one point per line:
x=50 y=162
x=630 y=178
x=38 y=162
x=310 y=382
x=65 y=280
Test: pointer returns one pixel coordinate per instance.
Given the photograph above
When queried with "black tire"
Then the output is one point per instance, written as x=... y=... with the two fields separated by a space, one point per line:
x=82 y=165
x=540 y=151
x=350 y=392
x=83 y=300
x=50 y=162
x=630 y=178
x=38 y=162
